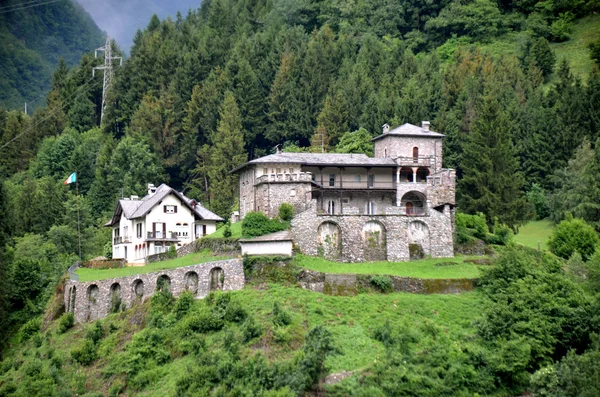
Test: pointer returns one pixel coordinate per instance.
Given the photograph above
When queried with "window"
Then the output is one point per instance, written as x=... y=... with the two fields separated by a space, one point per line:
x=357 y=178
x=371 y=208
x=293 y=193
x=291 y=170
x=345 y=201
x=138 y=230
x=170 y=209
x=371 y=180
x=331 y=207
x=279 y=170
x=158 y=249
x=126 y=231
x=385 y=152
x=415 y=154
x=331 y=179
x=265 y=171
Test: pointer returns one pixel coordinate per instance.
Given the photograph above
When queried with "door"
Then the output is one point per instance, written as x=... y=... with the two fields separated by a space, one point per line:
x=204 y=230
x=409 y=209
x=415 y=154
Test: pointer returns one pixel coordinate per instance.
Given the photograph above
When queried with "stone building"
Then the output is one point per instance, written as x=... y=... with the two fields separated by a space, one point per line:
x=353 y=207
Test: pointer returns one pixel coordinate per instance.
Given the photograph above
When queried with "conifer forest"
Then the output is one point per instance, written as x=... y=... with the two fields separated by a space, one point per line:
x=513 y=84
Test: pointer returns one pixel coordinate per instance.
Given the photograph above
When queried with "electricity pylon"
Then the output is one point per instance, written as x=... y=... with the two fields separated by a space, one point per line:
x=108 y=71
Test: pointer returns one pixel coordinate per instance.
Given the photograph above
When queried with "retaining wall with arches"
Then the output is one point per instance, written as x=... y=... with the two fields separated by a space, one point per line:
x=93 y=300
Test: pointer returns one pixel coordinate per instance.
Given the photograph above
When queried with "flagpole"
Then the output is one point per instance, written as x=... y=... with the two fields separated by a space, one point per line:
x=78 y=223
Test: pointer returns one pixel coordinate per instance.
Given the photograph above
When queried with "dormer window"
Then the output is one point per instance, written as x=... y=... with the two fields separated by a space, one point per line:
x=170 y=209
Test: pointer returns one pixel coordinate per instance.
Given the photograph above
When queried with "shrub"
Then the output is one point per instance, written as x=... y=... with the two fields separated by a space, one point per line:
x=183 y=304
x=251 y=329
x=86 y=353
x=286 y=212
x=468 y=226
x=536 y=196
x=95 y=333
x=280 y=316
x=502 y=234
x=204 y=322
x=227 y=230
x=573 y=235
x=30 y=328
x=382 y=283
x=66 y=322
x=172 y=252
x=258 y=224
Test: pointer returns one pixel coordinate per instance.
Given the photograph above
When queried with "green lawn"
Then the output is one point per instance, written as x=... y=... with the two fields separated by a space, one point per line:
x=535 y=231
x=585 y=31
x=188 y=260
x=236 y=231
x=425 y=268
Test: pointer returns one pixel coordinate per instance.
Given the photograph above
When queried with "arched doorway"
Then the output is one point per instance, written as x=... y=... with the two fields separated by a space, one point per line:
x=414 y=203
x=93 y=294
x=329 y=240
x=191 y=282
x=217 y=279
x=115 y=297
x=374 y=241
x=415 y=154
x=138 y=290
x=163 y=283
x=419 y=238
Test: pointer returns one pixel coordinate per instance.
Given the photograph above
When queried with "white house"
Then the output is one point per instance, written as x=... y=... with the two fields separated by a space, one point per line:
x=150 y=225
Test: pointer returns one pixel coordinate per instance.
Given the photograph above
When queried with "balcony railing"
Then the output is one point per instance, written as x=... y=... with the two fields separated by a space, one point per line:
x=121 y=240
x=296 y=177
x=355 y=185
x=422 y=161
x=158 y=235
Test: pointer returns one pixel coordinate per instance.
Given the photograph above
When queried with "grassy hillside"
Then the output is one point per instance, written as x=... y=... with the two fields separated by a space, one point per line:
x=458 y=267
x=161 y=348
x=576 y=50
x=535 y=231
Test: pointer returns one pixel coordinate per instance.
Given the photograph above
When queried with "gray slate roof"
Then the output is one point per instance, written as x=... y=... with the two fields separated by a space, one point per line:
x=411 y=130
x=322 y=159
x=285 y=235
x=137 y=208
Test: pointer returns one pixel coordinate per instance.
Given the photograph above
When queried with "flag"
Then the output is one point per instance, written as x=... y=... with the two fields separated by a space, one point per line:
x=72 y=178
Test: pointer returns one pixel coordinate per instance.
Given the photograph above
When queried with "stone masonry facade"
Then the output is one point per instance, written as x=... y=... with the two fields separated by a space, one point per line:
x=354 y=208
x=94 y=300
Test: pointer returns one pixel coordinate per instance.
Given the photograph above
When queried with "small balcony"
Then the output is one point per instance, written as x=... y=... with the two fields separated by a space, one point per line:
x=160 y=236
x=121 y=240
x=421 y=161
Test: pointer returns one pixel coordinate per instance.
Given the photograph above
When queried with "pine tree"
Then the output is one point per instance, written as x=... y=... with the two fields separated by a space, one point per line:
x=332 y=123
x=226 y=154
x=492 y=180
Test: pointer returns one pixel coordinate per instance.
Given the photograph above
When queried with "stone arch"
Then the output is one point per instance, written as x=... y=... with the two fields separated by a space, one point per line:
x=115 y=297
x=163 y=283
x=374 y=241
x=71 y=299
x=419 y=239
x=138 y=290
x=329 y=239
x=216 y=278
x=414 y=203
x=191 y=282
x=406 y=175
x=422 y=174
x=93 y=297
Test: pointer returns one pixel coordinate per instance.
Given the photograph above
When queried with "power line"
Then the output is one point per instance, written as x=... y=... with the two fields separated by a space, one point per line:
x=108 y=71
x=18 y=7
x=67 y=101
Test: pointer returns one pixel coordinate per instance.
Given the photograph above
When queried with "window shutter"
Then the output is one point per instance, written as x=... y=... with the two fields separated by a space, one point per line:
x=175 y=208
x=165 y=209
x=164 y=230
x=153 y=229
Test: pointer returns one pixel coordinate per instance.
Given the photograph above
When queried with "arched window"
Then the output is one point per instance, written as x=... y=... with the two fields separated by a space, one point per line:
x=415 y=154
x=331 y=207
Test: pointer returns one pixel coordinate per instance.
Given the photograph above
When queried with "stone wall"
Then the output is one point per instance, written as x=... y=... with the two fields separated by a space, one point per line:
x=352 y=284
x=94 y=299
x=402 y=146
x=163 y=256
x=247 y=197
x=270 y=195
x=433 y=230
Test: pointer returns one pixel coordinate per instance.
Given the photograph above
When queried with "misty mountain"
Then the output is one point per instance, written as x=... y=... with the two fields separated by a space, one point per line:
x=121 y=18
x=33 y=39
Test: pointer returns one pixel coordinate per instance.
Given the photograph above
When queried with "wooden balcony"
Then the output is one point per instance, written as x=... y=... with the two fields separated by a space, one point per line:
x=121 y=240
x=424 y=161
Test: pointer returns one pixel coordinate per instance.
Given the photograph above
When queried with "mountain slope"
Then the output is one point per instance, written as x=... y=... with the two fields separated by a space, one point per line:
x=33 y=40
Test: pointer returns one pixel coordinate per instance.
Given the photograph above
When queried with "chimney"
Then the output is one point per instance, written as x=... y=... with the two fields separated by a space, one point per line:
x=134 y=197
x=425 y=125
x=278 y=149
x=386 y=128
x=151 y=189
